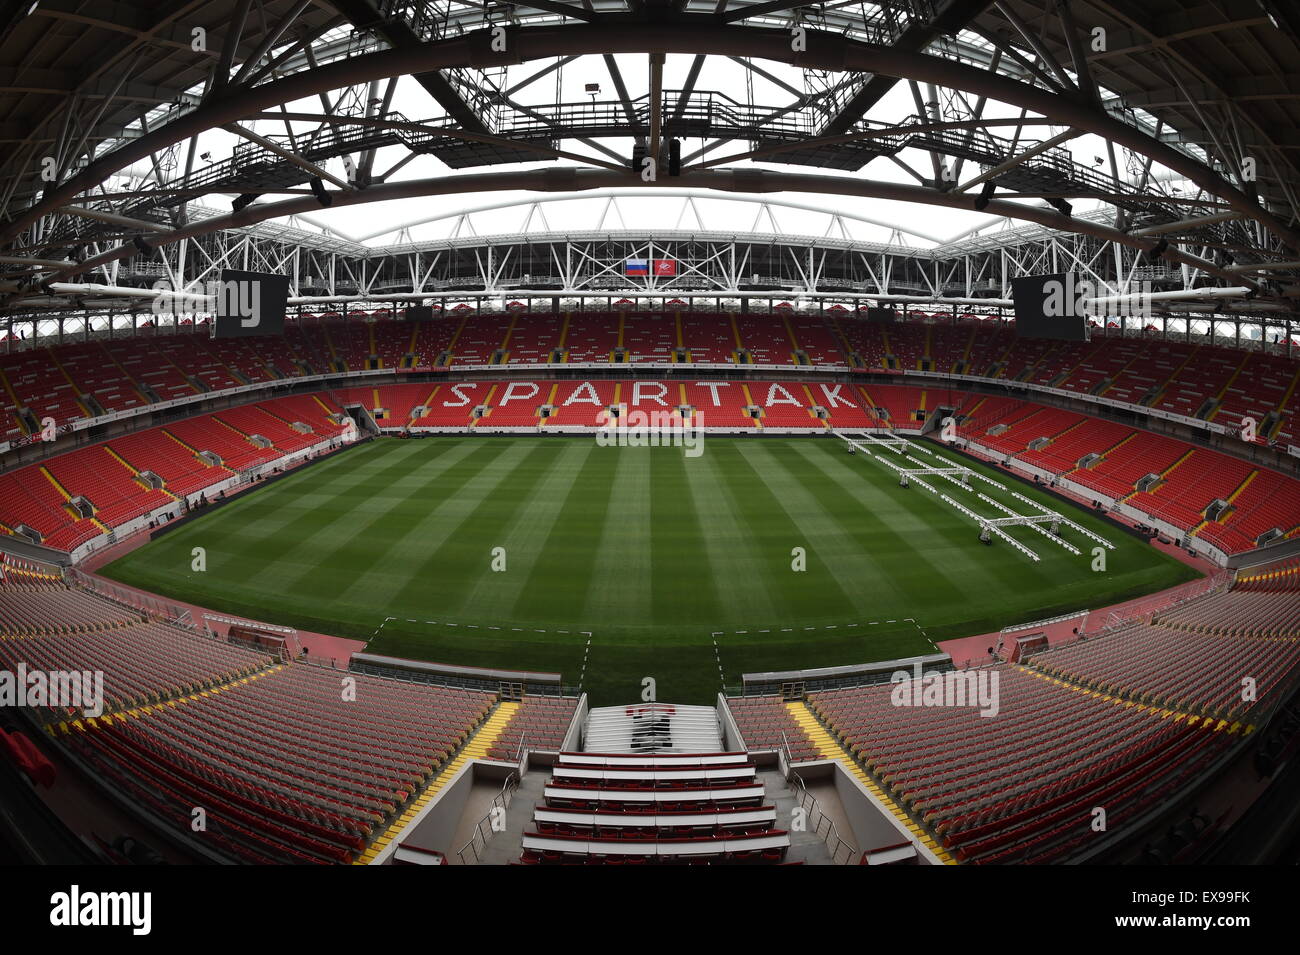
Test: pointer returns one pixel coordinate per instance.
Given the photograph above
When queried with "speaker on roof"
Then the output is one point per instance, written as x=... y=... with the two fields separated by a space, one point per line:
x=674 y=157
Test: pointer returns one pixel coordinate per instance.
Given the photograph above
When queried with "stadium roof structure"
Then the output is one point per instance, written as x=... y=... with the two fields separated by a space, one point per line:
x=104 y=105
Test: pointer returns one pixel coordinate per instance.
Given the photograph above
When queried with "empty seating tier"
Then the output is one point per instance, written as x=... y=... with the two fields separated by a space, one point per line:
x=541 y=722
x=1020 y=788
x=765 y=722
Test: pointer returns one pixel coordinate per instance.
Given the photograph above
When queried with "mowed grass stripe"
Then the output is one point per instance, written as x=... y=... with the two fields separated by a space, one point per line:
x=816 y=593
x=264 y=531
x=746 y=582
x=624 y=542
x=289 y=529
x=684 y=585
x=556 y=589
x=364 y=545
x=877 y=564
x=1057 y=566
x=853 y=541
x=445 y=548
x=529 y=528
x=255 y=521
x=903 y=519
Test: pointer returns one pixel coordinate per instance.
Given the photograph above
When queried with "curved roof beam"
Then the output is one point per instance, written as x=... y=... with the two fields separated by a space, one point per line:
x=748 y=181
x=641 y=193
x=677 y=33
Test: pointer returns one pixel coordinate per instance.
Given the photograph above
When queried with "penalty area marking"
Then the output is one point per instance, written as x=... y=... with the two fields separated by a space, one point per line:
x=586 y=655
x=717 y=655
x=474 y=626
x=828 y=626
x=921 y=631
x=831 y=626
x=379 y=628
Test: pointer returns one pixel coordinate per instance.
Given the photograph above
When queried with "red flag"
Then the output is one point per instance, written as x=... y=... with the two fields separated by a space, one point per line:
x=665 y=266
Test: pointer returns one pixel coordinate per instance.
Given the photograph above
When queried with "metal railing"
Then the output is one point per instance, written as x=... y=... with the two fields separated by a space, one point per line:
x=842 y=851
x=483 y=829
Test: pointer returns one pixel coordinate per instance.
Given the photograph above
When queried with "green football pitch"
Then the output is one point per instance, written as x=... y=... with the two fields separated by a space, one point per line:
x=613 y=564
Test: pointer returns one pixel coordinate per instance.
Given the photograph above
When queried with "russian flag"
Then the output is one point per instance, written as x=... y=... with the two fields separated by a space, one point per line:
x=637 y=267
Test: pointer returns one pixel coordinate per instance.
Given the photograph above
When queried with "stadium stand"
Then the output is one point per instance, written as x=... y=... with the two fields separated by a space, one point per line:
x=816 y=340
x=540 y=723
x=646 y=338
x=897 y=406
x=246 y=734
x=1122 y=718
x=482 y=340
x=1189 y=670
x=534 y=339
x=709 y=338
x=765 y=722
x=291 y=773
x=590 y=338
x=583 y=404
x=766 y=341
x=1212 y=382
x=97 y=474
x=515 y=404
x=994 y=795
x=289 y=769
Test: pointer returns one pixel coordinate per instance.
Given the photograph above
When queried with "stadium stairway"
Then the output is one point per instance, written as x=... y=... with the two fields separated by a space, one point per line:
x=503 y=848
x=476 y=747
x=830 y=749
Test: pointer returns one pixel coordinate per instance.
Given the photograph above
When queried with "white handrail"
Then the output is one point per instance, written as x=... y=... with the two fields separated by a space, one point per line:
x=500 y=801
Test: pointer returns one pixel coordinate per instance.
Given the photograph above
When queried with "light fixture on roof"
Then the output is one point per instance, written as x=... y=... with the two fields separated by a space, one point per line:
x=1061 y=206
x=322 y=195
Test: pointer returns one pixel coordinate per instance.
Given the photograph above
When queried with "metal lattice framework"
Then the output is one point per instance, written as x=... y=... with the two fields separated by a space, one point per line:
x=103 y=183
